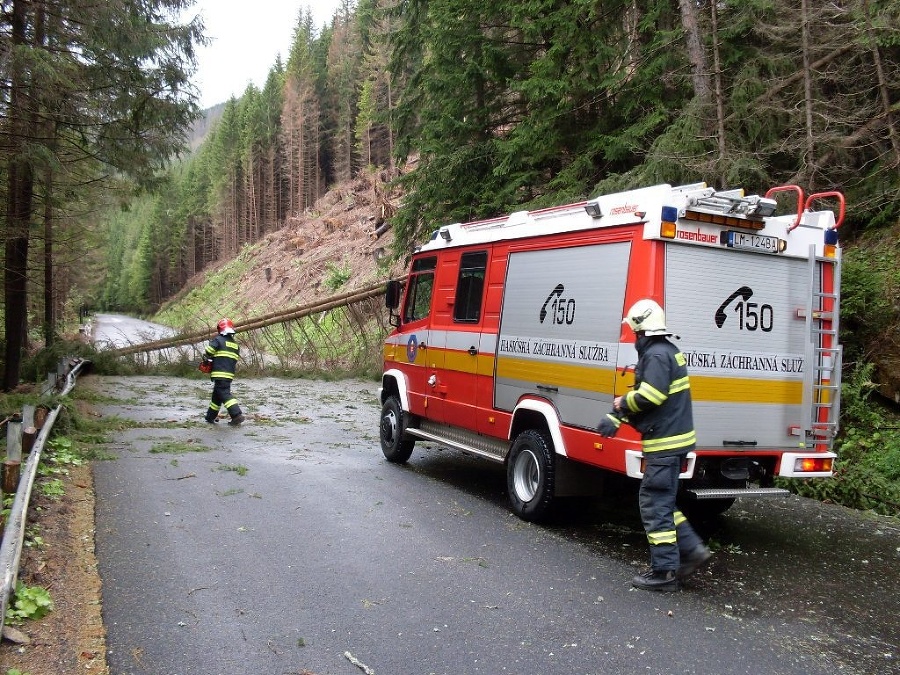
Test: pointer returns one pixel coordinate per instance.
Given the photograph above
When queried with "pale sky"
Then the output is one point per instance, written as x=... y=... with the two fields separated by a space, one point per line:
x=246 y=37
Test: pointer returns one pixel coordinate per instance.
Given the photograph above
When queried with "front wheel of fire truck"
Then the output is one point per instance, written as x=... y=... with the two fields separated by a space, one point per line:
x=530 y=475
x=396 y=447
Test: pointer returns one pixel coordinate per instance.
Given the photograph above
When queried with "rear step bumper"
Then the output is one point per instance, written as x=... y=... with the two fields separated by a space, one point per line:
x=730 y=493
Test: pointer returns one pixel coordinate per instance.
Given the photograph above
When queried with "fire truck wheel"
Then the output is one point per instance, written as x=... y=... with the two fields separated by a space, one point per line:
x=530 y=474
x=705 y=509
x=395 y=447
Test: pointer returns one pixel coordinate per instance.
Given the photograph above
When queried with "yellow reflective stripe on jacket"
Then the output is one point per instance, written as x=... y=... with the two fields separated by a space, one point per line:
x=221 y=375
x=649 y=392
x=681 y=384
x=669 y=442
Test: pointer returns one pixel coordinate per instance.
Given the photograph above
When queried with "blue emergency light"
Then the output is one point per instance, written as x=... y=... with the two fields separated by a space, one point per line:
x=669 y=214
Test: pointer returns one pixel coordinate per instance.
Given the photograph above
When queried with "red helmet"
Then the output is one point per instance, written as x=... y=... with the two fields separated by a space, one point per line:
x=225 y=327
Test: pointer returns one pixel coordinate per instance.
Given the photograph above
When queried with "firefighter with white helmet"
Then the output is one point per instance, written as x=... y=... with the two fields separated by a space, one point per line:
x=659 y=407
x=222 y=354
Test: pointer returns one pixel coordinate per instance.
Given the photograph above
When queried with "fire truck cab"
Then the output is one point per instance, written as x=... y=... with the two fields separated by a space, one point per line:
x=509 y=343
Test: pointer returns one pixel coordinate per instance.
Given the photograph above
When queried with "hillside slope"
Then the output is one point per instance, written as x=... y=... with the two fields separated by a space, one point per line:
x=328 y=249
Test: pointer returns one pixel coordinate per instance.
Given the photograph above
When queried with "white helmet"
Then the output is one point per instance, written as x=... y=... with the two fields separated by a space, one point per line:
x=647 y=317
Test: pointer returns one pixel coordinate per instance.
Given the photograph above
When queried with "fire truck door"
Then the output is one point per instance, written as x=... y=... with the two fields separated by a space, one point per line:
x=459 y=381
x=424 y=348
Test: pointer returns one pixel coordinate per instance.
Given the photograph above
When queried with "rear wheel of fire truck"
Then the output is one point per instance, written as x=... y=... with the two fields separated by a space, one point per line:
x=530 y=474
x=396 y=447
x=704 y=509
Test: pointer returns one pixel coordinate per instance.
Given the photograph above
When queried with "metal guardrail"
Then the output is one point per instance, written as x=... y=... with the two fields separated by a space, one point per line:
x=14 y=532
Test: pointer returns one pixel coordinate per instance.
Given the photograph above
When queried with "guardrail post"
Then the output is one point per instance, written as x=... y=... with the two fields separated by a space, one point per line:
x=27 y=416
x=40 y=416
x=29 y=431
x=14 y=438
x=11 y=467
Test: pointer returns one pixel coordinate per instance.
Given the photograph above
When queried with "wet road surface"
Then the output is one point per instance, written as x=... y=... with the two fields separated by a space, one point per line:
x=117 y=330
x=289 y=545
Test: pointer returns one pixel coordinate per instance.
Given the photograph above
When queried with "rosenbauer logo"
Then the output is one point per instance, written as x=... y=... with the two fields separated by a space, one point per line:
x=697 y=236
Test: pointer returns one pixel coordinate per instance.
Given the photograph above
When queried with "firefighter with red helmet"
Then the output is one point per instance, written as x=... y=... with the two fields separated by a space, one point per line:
x=659 y=407
x=222 y=354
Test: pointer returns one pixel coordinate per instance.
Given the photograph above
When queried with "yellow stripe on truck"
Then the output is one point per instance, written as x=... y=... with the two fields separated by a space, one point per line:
x=745 y=390
x=703 y=388
x=462 y=362
x=598 y=379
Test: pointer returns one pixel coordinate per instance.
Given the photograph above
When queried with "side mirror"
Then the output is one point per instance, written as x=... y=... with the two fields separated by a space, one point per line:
x=392 y=294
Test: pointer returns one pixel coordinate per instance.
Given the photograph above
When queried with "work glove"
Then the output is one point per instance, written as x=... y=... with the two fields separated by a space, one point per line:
x=609 y=426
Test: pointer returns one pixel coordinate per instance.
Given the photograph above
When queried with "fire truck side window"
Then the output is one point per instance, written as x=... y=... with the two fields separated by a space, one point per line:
x=421 y=285
x=469 y=287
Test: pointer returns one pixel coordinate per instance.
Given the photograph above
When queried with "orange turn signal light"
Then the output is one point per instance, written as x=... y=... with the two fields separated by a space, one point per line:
x=667 y=230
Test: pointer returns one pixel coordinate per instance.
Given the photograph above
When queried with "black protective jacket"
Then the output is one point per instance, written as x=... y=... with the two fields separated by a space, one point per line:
x=224 y=352
x=659 y=406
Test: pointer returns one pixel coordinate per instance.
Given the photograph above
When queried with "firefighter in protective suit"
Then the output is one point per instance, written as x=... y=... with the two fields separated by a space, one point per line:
x=659 y=407
x=222 y=354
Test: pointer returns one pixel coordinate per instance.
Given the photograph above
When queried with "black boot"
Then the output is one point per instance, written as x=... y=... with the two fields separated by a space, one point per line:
x=656 y=580
x=693 y=561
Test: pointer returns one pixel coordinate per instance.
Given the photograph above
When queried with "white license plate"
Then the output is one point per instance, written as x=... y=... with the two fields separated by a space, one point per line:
x=755 y=242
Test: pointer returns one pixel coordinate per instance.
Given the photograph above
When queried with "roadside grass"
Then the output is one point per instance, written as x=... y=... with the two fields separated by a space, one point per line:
x=239 y=469
x=171 y=447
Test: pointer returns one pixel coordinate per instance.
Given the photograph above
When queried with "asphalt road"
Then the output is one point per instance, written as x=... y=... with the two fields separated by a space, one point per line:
x=290 y=546
x=117 y=330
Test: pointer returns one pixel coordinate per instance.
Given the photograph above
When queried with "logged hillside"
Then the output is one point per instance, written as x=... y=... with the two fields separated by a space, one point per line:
x=327 y=249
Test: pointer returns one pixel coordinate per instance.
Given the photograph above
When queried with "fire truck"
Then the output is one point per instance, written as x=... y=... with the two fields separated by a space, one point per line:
x=508 y=341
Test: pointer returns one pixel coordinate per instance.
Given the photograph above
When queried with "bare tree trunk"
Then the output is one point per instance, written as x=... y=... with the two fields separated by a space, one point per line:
x=19 y=205
x=390 y=118
x=49 y=299
x=318 y=147
x=883 y=92
x=273 y=198
x=720 y=102
x=696 y=55
x=810 y=158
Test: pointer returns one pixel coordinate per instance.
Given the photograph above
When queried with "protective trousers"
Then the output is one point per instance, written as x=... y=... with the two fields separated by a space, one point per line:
x=668 y=531
x=221 y=398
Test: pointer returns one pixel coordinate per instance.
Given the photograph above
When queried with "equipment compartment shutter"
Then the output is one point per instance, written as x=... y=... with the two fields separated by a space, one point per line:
x=559 y=328
x=736 y=314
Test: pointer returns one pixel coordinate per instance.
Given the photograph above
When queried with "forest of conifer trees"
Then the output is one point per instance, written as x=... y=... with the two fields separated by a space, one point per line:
x=510 y=105
x=513 y=105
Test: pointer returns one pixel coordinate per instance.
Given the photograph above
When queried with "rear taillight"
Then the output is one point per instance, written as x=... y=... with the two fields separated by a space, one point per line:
x=813 y=464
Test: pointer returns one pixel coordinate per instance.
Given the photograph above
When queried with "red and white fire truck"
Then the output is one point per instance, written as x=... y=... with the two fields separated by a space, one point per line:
x=509 y=343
